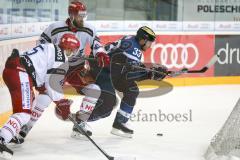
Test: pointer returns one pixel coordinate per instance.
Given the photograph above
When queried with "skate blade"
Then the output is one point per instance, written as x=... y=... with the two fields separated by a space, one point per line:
x=17 y=142
x=5 y=156
x=120 y=133
x=14 y=146
x=77 y=135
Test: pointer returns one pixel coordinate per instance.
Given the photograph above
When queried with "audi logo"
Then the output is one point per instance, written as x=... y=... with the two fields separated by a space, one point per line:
x=176 y=55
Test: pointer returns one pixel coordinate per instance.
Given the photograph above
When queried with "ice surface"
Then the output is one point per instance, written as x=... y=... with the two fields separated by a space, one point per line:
x=209 y=107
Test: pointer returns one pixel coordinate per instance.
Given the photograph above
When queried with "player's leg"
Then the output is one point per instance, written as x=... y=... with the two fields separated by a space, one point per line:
x=130 y=92
x=82 y=81
x=92 y=93
x=105 y=102
x=41 y=102
x=104 y=107
x=20 y=88
x=107 y=99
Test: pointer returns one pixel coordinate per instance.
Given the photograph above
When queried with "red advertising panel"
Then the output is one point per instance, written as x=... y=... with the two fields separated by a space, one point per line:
x=182 y=51
x=178 y=51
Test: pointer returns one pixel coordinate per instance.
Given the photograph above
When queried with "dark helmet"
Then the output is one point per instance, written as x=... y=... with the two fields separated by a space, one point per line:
x=146 y=33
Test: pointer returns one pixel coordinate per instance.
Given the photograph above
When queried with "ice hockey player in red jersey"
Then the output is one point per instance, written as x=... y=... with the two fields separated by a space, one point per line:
x=86 y=34
x=23 y=72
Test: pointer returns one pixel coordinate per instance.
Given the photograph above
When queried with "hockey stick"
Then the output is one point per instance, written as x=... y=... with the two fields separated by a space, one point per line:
x=212 y=61
x=80 y=129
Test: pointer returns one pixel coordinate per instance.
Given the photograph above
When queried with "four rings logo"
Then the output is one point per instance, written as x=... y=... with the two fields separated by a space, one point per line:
x=175 y=55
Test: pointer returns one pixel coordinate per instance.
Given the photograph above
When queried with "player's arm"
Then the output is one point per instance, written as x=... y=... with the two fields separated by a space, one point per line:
x=55 y=92
x=54 y=79
x=136 y=71
x=110 y=47
x=95 y=43
x=140 y=72
x=122 y=66
x=98 y=51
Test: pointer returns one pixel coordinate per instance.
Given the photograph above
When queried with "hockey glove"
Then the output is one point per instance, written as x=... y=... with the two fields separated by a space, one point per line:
x=62 y=109
x=103 y=59
x=158 y=72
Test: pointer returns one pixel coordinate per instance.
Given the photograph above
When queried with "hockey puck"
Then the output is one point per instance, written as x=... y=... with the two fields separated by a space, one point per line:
x=159 y=134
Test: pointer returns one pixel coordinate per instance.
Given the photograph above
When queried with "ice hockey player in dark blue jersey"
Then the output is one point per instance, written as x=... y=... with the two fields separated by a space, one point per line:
x=125 y=69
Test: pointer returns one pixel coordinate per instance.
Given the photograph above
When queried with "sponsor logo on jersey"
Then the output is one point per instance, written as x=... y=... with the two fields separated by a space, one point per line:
x=14 y=125
x=59 y=56
x=26 y=95
x=35 y=114
x=59 y=71
x=26 y=61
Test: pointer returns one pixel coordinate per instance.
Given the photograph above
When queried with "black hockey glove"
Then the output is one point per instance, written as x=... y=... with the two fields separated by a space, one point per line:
x=158 y=72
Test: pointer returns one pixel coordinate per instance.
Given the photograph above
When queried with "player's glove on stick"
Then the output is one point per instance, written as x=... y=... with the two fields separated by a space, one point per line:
x=158 y=72
x=62 y=109
x=103 y=59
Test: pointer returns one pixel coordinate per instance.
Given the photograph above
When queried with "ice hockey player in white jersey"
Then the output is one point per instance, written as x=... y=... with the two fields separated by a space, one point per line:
x=23 y=72
x=86 y=33
x=76 y=24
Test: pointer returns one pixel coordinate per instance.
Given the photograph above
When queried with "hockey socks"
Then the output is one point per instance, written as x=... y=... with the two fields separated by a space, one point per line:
x=120 y=127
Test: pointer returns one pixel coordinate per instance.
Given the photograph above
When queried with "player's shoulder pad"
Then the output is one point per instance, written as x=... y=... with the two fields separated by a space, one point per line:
x=87 y=28
x=55 y=25
x=90 y=26
x=126 y=43
x=58 y=27
x=48 y=47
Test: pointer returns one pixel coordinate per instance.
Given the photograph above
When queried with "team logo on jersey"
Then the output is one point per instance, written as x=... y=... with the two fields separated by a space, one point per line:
x=126 y=45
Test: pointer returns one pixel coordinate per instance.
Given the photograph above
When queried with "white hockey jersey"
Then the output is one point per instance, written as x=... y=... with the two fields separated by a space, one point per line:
x=86 y=35
x=48 y=66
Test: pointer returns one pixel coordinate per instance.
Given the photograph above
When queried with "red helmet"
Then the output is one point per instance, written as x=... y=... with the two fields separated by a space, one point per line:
x=69 y=42
x=77 y=8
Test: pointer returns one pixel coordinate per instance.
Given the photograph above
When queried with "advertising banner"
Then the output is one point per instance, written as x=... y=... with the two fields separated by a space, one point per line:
x=182 y=51
x=228 y=47
x=210 y=10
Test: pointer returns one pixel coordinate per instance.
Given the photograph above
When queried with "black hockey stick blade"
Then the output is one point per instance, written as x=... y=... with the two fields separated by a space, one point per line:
x=212 y=61
x=89 y=138
x=95 y=144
